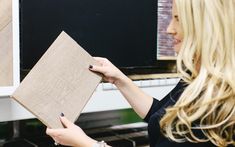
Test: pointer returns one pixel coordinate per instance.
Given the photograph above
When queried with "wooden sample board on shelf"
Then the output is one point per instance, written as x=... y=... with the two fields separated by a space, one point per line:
x=60 y=82
x=154 y=76
x=6 y=43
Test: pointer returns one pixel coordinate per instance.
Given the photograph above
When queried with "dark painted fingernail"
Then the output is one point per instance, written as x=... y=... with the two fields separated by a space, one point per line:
x=90 y=66
x=62 y=114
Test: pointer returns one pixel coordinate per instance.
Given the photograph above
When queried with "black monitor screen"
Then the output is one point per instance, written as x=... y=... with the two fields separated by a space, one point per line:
x=124 y=31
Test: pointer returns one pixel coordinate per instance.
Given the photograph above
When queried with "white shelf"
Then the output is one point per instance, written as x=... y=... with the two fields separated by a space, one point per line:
x=101 y=100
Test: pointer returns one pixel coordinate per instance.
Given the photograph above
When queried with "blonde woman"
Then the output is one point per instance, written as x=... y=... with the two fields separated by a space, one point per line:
x=200 y=110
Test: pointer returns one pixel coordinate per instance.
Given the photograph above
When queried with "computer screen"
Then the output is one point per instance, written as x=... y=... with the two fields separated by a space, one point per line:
x=124 y=31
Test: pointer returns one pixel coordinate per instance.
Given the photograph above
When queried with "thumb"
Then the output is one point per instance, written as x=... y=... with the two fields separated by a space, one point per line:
x=96 y=68
x=65 y=122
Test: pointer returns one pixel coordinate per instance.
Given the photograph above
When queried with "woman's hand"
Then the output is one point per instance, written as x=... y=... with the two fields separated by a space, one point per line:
x=111 y=73
x=71 y=135
x=138 y=99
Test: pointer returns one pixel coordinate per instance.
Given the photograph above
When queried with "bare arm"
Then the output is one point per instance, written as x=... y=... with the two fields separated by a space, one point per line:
x=139 y=100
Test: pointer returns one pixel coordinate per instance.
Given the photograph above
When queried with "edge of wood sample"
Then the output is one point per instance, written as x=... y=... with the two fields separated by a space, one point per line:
x=60 y=82
x=5 y=13
x=6 y=43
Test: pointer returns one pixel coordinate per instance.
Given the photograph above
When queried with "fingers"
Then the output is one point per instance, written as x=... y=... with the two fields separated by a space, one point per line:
x=100 y=59
x=99 y=69
x=65 y=122
x=53 y=132
x=48 y=131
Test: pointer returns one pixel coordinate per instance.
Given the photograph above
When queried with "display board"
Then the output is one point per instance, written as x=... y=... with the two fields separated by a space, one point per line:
x=60 y=82
x=9 y=47
x=164 y=41
x=6 y=52
x=114 y=29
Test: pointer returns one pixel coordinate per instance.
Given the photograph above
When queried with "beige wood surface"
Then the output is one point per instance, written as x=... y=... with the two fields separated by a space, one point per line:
x=6 y=44
x=5 y=13
x=154 y=76
x=59 y=82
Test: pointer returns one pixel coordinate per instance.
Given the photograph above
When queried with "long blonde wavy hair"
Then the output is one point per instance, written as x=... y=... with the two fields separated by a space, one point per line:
x=206 y=62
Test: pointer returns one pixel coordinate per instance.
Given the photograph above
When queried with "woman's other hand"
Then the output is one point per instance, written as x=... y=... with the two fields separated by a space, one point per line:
x=138 y=99
x=110 y=72
x=71 y=135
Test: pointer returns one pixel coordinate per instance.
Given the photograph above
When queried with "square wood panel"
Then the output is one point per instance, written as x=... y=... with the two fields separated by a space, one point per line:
x=59 y=82
x=6 y=43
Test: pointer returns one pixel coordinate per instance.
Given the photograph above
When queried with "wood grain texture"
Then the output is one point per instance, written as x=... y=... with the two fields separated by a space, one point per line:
x=6 y=44
x=154 y=76
x=59 y=82
x=5 y=13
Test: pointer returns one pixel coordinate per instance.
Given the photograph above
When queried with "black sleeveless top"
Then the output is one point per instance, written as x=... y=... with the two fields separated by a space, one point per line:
x=156 y=112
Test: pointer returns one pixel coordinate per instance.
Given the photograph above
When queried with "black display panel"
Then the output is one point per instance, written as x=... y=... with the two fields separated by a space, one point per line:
x=124 y=31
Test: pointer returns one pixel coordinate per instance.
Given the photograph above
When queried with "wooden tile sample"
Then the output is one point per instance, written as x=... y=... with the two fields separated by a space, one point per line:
x=59 y=82
x=6 y=44
x=5 y=13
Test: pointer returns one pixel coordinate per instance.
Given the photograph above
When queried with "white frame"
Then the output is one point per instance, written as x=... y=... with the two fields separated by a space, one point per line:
x=6 y=91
